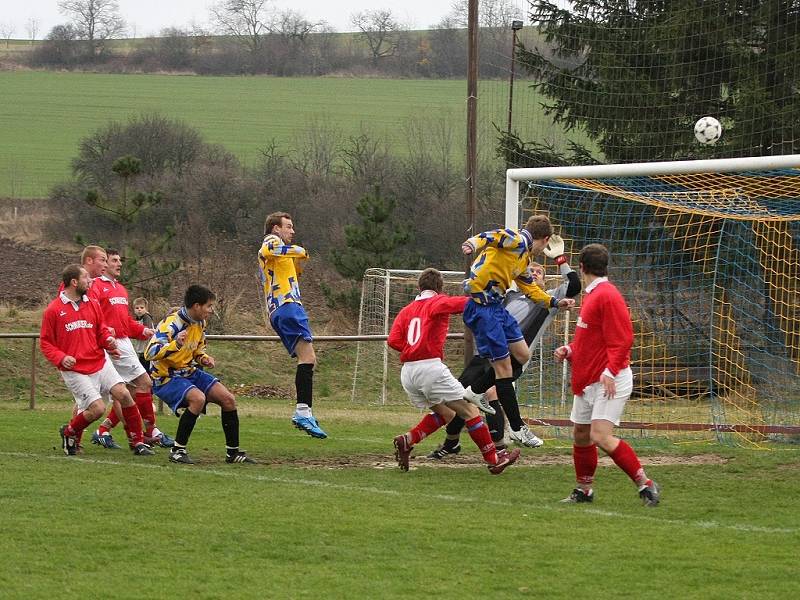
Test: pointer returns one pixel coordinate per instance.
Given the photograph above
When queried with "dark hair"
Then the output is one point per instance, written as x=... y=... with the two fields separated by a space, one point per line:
x=197 y=294
x=594 y=259
x=69 y=273
x=273 y=219
x=113 y=252
x=539 y=227
x=431 y=279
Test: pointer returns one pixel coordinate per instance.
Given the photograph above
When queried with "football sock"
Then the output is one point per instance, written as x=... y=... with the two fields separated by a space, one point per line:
x=626 y=459
x=585 y=460
x=507 y=396
x=77 y=424
x=429 y=423
x=488 y=379
x=302 y=409
x=230 y=426
x=455 y=426
x=483 y=440
x=304 y=383
x=109 y=422
x=133 y=424
x=496 y=422
x=144 y=401
x=185 y=427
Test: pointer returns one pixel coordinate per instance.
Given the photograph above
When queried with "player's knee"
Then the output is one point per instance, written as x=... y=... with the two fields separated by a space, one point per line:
x=196 y=401
x=121 y=394
x=227 y=401
x=95 y=410
x=144 y=383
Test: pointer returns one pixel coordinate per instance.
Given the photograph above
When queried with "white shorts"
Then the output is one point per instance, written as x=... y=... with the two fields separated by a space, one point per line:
x=592 y=405
x=127 y=365
x=88 y=388
x=429 y=382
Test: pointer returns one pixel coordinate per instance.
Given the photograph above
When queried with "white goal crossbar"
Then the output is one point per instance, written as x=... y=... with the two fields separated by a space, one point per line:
x=676 y=167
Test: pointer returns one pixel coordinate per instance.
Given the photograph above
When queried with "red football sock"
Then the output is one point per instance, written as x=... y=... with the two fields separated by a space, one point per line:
x=144 y=400
x=133 y=424
x=429 y=423
x=78 y=423
x=626 y=459
x=109 y=422
x=585 y=460
x=479 y=433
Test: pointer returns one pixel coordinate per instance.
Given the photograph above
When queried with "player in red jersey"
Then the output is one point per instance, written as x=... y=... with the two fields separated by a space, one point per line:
x=73 y=337
x=602 y=381
x=113 y=299
x=418 y=333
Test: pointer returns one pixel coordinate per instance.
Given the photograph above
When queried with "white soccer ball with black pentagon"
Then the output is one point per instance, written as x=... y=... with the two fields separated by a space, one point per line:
x=707 y=130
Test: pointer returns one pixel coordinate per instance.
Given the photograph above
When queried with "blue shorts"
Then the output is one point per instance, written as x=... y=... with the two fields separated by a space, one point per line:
x=291 y=324
x=173 y=393
x=493 y=328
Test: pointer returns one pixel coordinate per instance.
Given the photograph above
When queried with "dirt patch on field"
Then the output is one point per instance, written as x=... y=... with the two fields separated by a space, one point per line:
x=382 y=461
x=30 y=276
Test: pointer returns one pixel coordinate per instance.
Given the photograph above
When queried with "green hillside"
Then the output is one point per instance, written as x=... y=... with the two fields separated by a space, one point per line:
x=45 y=114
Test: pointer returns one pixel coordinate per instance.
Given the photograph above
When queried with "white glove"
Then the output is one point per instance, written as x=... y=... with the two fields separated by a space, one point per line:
x=555 y=249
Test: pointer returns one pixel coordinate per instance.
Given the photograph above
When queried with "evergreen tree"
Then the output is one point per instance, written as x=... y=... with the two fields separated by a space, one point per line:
x=378 y=241
x=145 y=266
x=635 y=75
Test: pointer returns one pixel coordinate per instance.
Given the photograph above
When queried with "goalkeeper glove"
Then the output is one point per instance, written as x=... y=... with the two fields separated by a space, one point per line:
x=555 y=249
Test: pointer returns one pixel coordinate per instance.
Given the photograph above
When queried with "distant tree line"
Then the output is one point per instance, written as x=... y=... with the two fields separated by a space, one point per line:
x=249 y=37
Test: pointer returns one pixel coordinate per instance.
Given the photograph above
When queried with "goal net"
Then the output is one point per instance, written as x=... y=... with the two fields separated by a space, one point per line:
x=706 y=254
x=376 y=377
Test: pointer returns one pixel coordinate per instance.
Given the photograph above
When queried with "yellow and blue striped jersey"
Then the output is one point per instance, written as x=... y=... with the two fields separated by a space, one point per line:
x=166 y=359
x=281 y=264
x=505 y=259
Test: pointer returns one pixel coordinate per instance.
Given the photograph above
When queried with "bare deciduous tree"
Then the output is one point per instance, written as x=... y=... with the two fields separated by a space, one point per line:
x=32 y=27
x=7 y=30
x=94 y=20
x=379 y=29
x=245 y=20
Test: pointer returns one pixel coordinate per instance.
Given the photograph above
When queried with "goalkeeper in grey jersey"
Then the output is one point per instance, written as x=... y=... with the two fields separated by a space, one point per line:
x=478 y=376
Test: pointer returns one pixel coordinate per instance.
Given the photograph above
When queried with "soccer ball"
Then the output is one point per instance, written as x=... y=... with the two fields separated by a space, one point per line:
x=707 y=130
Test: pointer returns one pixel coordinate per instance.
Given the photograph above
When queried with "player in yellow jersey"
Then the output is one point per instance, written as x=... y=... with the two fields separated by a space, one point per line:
x=504 y=257
x=177 y=355
x=281 y=263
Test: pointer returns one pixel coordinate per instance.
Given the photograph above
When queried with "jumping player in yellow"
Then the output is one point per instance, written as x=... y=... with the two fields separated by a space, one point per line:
x=281 y=263
x=504 y=257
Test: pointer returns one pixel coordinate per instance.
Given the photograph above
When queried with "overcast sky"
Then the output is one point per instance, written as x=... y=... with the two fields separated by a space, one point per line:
x=147 y=17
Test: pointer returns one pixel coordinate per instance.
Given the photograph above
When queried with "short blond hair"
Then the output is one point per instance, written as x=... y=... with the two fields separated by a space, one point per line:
x=91 y=252
x=140 y=302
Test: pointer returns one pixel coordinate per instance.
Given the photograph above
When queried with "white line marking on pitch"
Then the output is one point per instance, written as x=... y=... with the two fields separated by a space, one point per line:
x=189 y=469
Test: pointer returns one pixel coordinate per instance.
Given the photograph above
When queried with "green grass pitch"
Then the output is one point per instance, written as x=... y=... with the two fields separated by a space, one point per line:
x=337 y=519
x=45 y=114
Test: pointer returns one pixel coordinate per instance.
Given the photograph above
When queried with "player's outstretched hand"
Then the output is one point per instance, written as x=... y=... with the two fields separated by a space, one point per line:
x=561 y=353
x=566 y=303
x=148 y=332
x=467 y=248
x=208 y=361
x=555 y=247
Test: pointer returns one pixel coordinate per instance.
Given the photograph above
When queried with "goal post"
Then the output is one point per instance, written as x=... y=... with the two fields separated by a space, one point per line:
x=707 y=255
x=376 y=374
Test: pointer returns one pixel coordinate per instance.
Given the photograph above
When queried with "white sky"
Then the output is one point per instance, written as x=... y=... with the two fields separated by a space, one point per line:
x=147 y=17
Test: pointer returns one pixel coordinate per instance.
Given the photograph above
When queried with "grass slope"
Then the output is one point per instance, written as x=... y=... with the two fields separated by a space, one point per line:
x=45 y=114
x=281 y=529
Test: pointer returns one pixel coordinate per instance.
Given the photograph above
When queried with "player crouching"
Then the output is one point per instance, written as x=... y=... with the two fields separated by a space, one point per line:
x=177 y=355
x=418 y=333
x=75 y=339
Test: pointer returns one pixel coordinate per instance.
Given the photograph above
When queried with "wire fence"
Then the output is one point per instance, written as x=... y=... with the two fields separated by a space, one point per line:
x=34 y=337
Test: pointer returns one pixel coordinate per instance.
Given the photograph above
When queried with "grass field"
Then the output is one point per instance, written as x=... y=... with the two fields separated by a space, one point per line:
x=45 y=114
x=337 y=519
